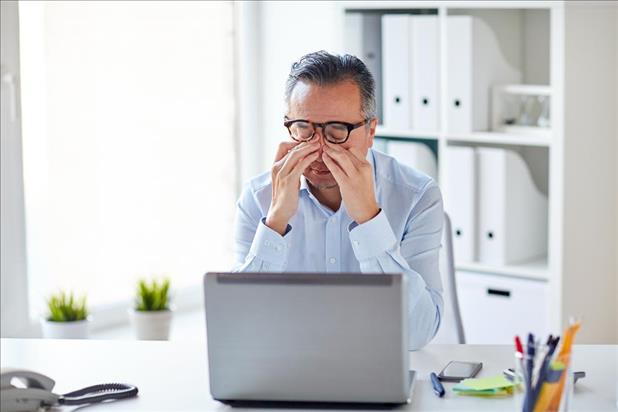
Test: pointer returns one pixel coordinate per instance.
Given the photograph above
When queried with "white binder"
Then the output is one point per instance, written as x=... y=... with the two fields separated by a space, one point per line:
x=512 y=211
x=460 y=201
x=424 y=58
x=363 y=33
x=474 y=62
x=416 y=155
x=396 y=93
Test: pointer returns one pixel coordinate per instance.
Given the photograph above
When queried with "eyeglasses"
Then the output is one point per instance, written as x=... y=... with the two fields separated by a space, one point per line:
x=335 y=132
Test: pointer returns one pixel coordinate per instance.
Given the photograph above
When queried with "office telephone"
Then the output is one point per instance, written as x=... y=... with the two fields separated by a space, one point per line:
x=24 y=391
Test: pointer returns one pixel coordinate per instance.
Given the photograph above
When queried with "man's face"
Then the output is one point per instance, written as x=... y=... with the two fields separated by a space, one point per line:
x=320 y=104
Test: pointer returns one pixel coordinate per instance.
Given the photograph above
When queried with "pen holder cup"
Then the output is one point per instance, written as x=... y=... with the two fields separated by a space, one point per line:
x=554 y=395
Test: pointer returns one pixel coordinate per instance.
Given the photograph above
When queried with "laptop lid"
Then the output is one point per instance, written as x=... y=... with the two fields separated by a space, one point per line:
x=307 y=337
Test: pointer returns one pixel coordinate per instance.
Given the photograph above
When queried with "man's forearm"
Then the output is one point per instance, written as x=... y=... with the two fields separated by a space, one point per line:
x=378 y=251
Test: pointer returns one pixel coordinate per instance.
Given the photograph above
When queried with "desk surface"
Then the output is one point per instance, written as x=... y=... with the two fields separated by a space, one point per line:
x=173 y=375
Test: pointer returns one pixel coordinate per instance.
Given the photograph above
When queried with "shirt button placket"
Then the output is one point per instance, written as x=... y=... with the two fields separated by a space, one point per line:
x=333 y=246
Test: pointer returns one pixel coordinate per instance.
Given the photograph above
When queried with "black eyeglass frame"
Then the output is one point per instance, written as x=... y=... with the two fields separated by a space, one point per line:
x=349 y=126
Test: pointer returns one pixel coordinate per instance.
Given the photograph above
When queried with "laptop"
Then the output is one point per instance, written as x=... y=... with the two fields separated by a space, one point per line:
x=307 y=337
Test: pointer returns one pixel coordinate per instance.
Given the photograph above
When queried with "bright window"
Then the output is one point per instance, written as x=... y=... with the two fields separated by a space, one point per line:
x=129 y=154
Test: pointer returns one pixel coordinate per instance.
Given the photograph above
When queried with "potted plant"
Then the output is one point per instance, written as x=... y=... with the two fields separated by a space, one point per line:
x=67 y=318
x=152 y=314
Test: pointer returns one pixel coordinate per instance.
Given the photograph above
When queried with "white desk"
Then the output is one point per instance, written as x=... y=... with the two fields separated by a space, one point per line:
x=173 y=375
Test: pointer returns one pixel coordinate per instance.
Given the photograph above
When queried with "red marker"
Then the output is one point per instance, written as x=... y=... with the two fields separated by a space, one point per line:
x=518 y=346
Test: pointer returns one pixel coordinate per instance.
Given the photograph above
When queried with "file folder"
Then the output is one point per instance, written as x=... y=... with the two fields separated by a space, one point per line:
x=512 y=210
x=424 y=58
x=459 y=73
x=363 y=39
x=396 y=93
x=460 y=200
x=416 y=155
x=474 y=63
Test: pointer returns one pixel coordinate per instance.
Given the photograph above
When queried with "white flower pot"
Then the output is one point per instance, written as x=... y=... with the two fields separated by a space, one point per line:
x=151 y=325
x=65 y=330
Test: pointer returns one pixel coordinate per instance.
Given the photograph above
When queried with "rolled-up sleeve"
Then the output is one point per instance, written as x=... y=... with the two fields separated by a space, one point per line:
x=416 y=255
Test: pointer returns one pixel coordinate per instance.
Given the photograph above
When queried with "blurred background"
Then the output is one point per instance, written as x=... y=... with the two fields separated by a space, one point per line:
x=128 y=129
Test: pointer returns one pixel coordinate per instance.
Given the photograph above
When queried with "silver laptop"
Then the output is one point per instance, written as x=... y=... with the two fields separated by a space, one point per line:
x=305 y=337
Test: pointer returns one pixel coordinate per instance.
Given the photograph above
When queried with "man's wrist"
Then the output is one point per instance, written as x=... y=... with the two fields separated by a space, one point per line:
x=368 y=216
x=277 y=224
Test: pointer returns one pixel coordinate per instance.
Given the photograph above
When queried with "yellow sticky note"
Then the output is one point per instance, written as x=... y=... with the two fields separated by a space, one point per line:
x=491 y=382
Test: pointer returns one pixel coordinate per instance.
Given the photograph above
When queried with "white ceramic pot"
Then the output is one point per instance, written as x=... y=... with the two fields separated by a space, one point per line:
x=151 y=325
x=65 y=330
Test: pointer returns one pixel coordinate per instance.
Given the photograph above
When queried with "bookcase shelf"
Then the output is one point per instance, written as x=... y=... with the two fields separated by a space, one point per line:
x=497 y=138
x=489 y=138
x=405 y=134
x=413 y=4
x=535 y=269
x=551 y=37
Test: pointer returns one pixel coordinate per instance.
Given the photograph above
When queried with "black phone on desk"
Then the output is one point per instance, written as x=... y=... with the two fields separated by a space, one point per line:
x=456 y=371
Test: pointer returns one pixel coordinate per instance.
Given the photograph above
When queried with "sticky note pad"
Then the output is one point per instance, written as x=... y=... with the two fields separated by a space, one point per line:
x=492 y=382
x=489 y=392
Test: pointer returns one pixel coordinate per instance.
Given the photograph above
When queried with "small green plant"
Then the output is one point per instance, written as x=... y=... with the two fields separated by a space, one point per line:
x=65 y=307
x=153 y=296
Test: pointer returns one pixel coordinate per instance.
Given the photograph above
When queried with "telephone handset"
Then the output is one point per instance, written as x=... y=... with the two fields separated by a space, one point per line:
x=24 y=391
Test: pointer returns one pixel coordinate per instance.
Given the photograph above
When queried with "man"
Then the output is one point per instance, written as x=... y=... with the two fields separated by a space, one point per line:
x=332 y=204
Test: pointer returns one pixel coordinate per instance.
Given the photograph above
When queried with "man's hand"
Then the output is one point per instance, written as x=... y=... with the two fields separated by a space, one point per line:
x=354 y=176
x=291 y=160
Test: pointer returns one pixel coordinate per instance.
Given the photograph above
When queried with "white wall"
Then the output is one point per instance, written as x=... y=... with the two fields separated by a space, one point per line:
x=288 y=30
x=590 y=201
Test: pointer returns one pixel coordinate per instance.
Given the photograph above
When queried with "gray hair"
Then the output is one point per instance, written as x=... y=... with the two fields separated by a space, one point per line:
x=322 y=68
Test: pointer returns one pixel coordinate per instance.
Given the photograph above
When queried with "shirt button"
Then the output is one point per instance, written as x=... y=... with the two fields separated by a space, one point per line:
x=356 y=243
x=332 y=260
x=278 y=248
x=267 y=243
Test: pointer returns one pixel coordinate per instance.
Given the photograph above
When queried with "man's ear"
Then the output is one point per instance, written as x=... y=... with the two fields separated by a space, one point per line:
x=373 y=123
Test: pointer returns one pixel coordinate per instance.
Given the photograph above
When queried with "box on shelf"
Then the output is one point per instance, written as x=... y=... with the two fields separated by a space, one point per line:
x=522 y=109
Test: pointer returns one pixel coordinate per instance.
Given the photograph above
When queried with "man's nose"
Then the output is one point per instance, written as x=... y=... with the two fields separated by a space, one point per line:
x=319 y=136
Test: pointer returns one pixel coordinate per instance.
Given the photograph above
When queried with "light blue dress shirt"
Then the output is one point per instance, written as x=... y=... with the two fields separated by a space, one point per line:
x=403 y=238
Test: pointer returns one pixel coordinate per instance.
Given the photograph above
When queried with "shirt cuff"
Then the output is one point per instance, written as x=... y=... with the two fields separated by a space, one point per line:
x=270 y=246
x=372 y=238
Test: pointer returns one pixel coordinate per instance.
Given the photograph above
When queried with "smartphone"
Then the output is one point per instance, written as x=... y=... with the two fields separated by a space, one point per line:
x=456 y=371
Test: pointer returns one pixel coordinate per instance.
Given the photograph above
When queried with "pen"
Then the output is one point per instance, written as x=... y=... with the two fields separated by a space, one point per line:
x=551 y=347
x=530 y=352
x=518 y=346
x=438 y=389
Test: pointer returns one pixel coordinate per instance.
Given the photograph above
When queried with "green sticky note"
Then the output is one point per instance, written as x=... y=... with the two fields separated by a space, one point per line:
x=466 y=391
x=495 y=392
x=491 y=382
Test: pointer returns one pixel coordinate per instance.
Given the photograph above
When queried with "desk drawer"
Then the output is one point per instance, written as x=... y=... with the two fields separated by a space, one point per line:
x=495 y=308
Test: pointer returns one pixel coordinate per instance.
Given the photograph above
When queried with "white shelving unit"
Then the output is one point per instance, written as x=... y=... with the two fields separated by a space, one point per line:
x=536 y=269
x=497 y=138
x=578 y=275
x=407 y=134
